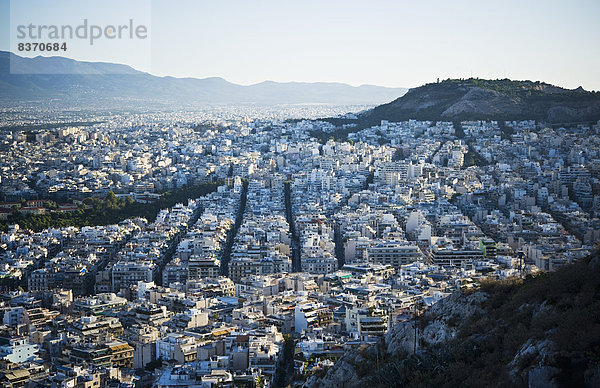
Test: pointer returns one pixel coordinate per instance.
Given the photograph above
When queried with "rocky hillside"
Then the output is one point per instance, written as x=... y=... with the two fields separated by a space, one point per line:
x=478 y=99
x=543 y=331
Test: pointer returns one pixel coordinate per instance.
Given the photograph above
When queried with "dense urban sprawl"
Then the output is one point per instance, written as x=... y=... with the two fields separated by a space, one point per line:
x=306 y=247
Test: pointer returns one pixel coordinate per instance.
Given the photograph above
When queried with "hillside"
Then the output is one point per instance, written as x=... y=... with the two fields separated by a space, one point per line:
x=478 y=99
x=63 y=78
x=543 y=331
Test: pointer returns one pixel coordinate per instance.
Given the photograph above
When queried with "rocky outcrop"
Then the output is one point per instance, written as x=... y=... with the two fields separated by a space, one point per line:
x=343 y=374
x=484 y=102
x=441 y=323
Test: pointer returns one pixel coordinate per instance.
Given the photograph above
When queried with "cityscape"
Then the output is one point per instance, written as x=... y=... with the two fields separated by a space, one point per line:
x=446 y=236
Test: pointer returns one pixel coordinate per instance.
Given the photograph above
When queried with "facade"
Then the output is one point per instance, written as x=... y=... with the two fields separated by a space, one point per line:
x=99 y=304
x=127 y=273
x=366 y=323
x=394 y=254
x=311 y=314
x=18 y=350
x=456 y=257
x=121 y=354
x=203 y=268
x=178 y=347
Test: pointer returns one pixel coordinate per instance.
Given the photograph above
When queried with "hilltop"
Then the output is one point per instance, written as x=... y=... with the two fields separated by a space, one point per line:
x=542 y=331
x=480 y=99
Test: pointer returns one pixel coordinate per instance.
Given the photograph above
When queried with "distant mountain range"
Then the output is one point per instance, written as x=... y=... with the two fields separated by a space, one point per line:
x=479 y=99
x=64 y=78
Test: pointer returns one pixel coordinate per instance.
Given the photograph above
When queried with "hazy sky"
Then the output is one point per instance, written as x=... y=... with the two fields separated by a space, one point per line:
x=390 y=43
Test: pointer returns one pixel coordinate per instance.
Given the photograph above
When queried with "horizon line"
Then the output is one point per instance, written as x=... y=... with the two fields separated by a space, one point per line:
x=439 y=79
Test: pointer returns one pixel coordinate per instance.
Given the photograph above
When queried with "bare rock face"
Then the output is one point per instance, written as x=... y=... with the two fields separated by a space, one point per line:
x=447 y=312
x=400 y=337
x=458 y=306
x=483 y=102
x=343 y=374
